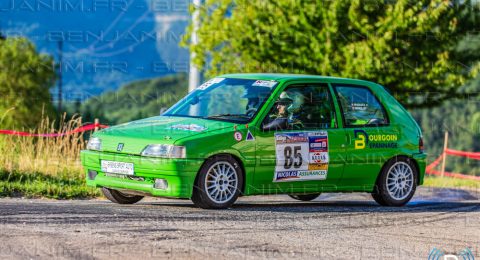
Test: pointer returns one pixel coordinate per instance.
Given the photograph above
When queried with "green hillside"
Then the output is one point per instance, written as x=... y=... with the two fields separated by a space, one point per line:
x=139 y=99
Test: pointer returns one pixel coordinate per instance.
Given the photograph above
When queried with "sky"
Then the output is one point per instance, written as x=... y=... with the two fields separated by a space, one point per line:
x=106 y=43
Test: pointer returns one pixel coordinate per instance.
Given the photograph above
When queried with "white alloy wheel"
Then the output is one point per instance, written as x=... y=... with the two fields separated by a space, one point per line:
x=221 y=182
x=400 y=180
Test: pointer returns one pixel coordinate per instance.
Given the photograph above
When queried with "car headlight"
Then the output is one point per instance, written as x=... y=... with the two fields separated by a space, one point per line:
x=94 y=144
x=165 y=151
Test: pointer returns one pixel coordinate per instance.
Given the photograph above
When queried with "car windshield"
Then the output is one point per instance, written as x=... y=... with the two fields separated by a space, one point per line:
x=225 y=99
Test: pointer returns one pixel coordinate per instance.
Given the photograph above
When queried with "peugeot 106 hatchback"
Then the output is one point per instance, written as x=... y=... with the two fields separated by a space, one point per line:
x=252 y=134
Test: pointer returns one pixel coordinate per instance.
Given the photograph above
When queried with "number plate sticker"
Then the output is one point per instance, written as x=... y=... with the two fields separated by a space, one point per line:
x=117 y=167
x=301 y=156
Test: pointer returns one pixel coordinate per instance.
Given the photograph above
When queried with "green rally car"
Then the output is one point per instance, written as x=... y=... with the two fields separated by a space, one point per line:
x=252 y=134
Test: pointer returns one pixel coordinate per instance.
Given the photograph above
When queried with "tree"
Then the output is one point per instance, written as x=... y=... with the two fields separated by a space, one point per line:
x=407 y=46
x=25 y=79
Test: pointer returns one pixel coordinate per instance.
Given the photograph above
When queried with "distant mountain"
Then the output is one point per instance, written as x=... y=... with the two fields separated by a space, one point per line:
x=136 y=100
x=105 y=43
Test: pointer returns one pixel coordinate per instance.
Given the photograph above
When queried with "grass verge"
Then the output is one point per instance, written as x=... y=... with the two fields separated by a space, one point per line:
x=34 y=185
x=44 y=166
x=447 y=182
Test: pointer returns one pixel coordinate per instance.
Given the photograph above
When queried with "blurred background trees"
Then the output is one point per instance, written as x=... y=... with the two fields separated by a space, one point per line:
x=426 y=52
x=25 y=80
x=407 y=46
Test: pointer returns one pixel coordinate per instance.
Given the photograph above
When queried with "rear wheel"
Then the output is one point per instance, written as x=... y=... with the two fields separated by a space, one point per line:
x=119 y=197
x=218 y=183
x=304 y=197
x=397 y=183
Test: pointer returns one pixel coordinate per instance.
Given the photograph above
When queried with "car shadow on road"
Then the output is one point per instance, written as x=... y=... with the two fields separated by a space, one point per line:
x=339 y=206
x=427 y=200
x=359 y=206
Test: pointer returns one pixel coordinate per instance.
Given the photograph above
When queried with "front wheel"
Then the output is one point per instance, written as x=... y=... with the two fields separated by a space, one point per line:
x=304 y=197
x=397 y=183
x=218 y=183
x=119 y=197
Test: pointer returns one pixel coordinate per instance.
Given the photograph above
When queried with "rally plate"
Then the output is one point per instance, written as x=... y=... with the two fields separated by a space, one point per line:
x=117 y=167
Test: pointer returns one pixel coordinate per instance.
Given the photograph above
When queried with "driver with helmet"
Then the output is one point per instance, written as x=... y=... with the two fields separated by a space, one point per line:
x=288 y=109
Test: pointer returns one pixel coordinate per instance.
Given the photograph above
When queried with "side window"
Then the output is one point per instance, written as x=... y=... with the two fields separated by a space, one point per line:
x=360 y=107
x=306 y=106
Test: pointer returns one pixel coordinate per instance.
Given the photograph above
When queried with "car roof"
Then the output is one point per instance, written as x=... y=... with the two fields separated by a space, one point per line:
x=287 y=77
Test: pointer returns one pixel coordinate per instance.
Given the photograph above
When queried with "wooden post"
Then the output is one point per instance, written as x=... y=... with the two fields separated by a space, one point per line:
x=444 y=155
x=97 y=122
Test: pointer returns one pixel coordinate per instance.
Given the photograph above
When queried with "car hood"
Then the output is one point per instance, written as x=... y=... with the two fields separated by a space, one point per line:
x=135 y=136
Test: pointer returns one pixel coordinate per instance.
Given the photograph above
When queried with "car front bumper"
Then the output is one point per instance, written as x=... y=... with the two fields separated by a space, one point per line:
x=178 y=173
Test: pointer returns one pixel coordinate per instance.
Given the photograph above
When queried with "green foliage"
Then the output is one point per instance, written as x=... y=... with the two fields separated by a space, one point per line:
x=139 y=99
x=407 y=46
x=461 y=118
x=13 y=184
x=446 y=182
x=25 y=79
x=475 y=123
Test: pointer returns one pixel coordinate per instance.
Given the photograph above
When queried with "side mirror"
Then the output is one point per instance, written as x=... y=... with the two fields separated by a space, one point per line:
x=194 y=100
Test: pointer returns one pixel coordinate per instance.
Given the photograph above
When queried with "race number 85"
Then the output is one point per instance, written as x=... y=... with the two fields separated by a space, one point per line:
x=293 y=157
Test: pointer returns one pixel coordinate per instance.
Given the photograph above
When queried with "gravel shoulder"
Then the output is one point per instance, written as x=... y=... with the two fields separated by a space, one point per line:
x=339 y=226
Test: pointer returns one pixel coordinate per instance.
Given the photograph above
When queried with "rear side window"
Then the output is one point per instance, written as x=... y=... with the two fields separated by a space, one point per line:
x=360 y=107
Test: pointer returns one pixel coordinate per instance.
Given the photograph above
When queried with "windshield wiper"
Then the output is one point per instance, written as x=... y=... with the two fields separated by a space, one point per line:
x=227 y=115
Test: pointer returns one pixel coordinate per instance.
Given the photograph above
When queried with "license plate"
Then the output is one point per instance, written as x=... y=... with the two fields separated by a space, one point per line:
x=117 y=167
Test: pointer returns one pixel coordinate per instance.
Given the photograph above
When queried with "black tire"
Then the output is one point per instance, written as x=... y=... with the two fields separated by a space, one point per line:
x=202 y=199
x=378 y=198
x=304 y=197
x=381 y=193
x=119 y=197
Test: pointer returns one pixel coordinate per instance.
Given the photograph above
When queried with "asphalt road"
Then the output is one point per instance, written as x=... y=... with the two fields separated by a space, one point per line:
x=335 y=226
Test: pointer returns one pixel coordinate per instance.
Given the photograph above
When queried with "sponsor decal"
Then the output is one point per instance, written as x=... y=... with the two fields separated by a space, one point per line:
x=290 y=138
x=373 y=141
x=321 y=157
x=360 y=139
x=210 y=82
x=318 y=166
x=301 y=175
x=190 y=127
x=238 y=136
x=359 y=106
x=250 y=136
x=318 y=144
x=286 y=175
x=301 y=156
x=264 y=83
